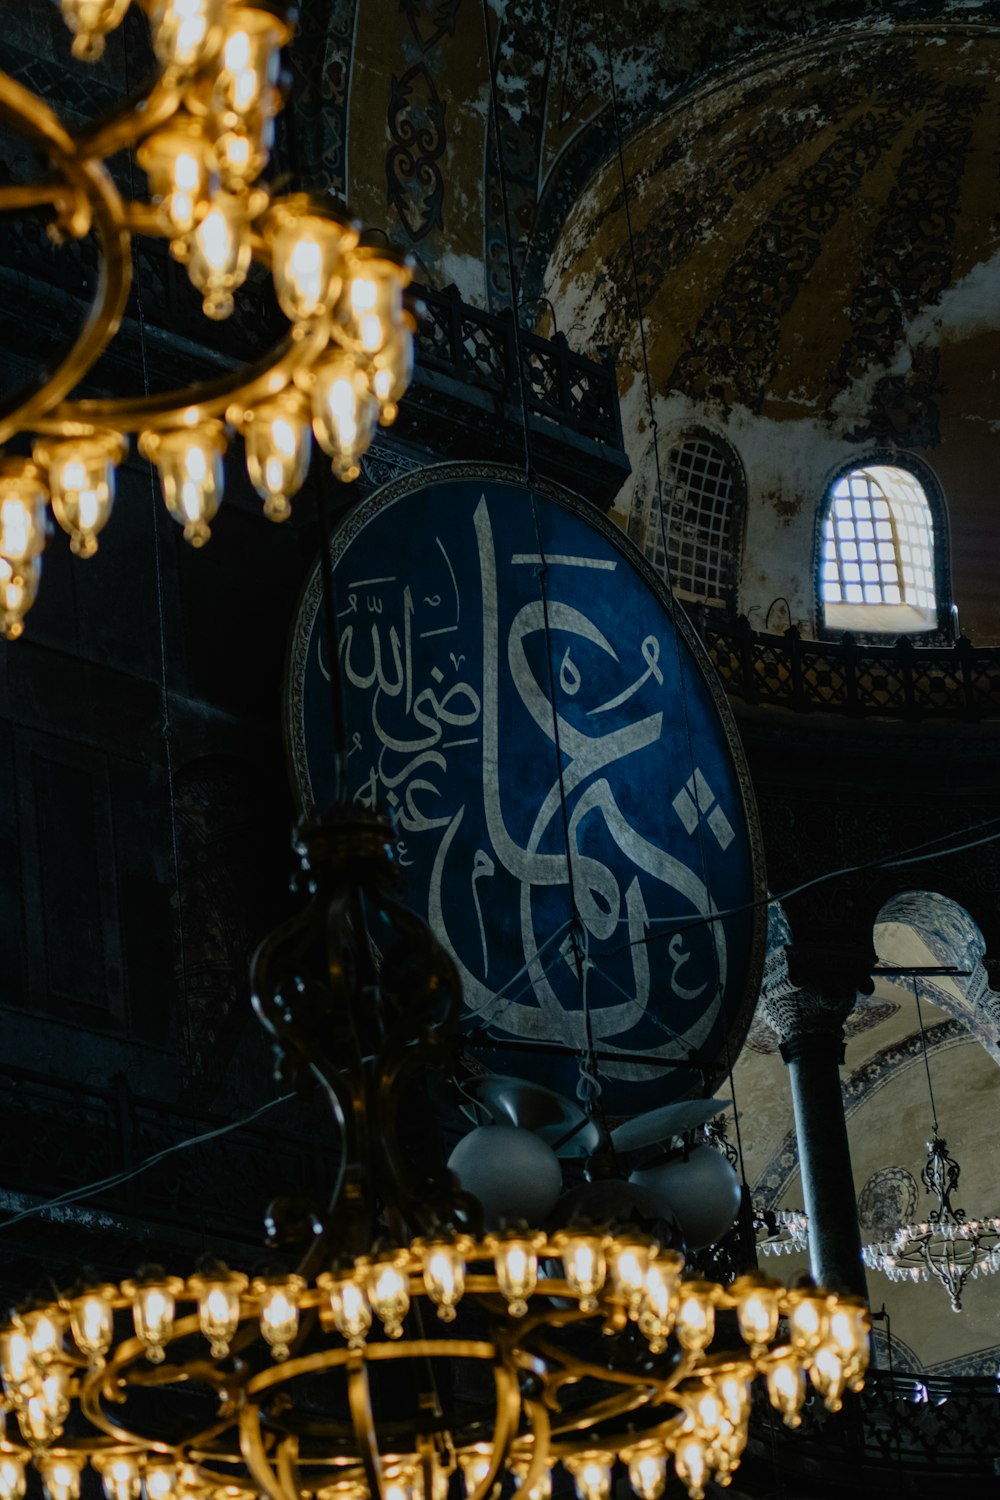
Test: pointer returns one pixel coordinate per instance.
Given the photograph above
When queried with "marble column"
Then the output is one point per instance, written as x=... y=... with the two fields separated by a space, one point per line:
x=809 y=1020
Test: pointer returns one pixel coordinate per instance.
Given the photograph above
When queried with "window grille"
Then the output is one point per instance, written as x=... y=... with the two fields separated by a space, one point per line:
x=701 y=488
x=878 y=549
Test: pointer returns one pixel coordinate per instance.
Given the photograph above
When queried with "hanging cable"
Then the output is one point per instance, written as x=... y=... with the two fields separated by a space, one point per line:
x=166 y=723
x=492 y=59
x=923 y=1048
x=118 y=1179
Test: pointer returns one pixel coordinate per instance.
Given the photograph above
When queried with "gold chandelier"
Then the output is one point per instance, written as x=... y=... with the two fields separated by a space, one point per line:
x=591 y=1347
x=202 y=133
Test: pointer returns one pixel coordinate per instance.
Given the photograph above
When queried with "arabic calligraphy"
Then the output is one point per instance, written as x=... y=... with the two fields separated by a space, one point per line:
x=513 y=699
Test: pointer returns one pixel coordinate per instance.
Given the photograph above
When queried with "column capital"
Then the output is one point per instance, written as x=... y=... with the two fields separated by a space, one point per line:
x=810 y=992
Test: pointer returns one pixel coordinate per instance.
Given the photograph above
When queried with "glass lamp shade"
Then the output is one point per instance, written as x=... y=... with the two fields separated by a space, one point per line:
x=218 y=1295
x=220 y=255
x=153 y=1303
x=189 y=461
x=392 y=373
x=81 y=475
x=389 y=1290
x=182 y=173
x=444 y=1272
x=120 y=1475
x=757 y=1309
x=352 y=1311
x=515 y=1258
x=279 y=1310
x=244 y=151
x=278 y=440
x=12 y=1477
x=185 y=32
x=61 y=1475
x=92 y=1322
x=344 y=414
x=248 y=64
x=371 y=301
x=90 y=21
x=307 y=258
x=22 y=510
x=647 y=1470
x=18 y=591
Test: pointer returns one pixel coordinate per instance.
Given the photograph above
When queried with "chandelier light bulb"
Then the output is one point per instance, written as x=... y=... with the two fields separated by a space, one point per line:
x=389 y=1292
x=22 y=511
x=828 y=1376
x=475 y=1465
x=786 y=1388
x=694 y=1324
x=691 y=1466
x=91 y=1321
x=159 y=1481
x=12 y=1477
x=392 y=373
x=220 y=255
x=371 y=302
x=120 y=1477
x=61 y=1476
x=307 y=254
x=584 y=1264
x=18 y=590
x=352 y=1311
x=629 y=1265
x=81 y=478
x=397 y=1485
x=182 y=175
x=153 y=1305
x=90 y=21
x=248 y=70
x=807 y=1319
x=189 y=462
x=279 y=1311
x=444 y=1274
x=344 y=415
x=757 y=1309
x=647 y=1472
x=278 y=441
x=515 y=1259
x=218 y=1297
x=184 y=32
x=540 y=1490
x=591 y=1475
x=17 y=1363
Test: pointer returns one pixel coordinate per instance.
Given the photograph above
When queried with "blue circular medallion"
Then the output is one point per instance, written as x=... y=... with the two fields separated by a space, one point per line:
x=564 y=776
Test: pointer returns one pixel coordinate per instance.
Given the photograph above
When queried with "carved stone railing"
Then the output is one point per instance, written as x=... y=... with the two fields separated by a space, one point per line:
x=941 y=1425
x=894 y=681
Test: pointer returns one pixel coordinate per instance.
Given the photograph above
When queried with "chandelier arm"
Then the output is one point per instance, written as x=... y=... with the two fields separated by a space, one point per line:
x=150 y=105
x=18 y=196
x=363 y=1420
x=99 y=207
x=255 y=1457
x=226 y=395
x=508 y=1408
x=288 y=1464
x=541 y=1433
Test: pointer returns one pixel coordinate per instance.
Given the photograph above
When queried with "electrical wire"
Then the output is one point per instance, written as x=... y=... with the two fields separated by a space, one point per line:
x=77 y=1195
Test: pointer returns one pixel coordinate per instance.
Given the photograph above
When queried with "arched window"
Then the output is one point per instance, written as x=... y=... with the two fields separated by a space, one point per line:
x=879 y=553
x=696 y=547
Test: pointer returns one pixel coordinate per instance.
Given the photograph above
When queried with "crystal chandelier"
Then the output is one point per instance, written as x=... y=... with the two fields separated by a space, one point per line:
x=780 y=1231
x=354 y=1376
x=946 y=1245
x=202 y=133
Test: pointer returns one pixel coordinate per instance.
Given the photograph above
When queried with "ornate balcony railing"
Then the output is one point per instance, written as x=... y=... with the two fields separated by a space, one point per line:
x=935 y=1425
x=894 y=681
x=480 y=348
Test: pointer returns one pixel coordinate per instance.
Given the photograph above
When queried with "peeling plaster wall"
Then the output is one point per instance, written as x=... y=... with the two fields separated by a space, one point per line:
x=817 y=239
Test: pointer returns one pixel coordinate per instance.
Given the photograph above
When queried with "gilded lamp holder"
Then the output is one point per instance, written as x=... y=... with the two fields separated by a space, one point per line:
x=202 y=133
